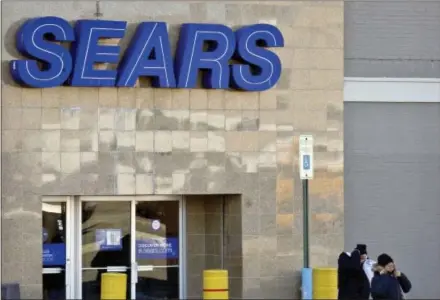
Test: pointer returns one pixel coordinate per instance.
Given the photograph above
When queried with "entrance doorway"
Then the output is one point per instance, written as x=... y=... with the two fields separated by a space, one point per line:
x=141 y=237
x=56 y=252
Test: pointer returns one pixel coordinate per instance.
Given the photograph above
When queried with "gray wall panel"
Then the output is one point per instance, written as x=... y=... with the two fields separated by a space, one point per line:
x=392 y=186
x=392 y=68
x=392 y=38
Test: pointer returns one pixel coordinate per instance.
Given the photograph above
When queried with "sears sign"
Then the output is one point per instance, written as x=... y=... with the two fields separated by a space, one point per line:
x=201 y=47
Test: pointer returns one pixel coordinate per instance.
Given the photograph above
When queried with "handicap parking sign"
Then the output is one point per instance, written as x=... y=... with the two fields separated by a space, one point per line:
x=306 y=162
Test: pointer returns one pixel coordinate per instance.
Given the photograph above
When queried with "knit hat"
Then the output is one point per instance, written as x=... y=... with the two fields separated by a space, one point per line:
x=362 y=248
x=384 y=259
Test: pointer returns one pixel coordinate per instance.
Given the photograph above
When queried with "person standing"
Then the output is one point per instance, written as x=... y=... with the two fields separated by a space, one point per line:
x=388 y=282
x=367 y=263
x=353 y=280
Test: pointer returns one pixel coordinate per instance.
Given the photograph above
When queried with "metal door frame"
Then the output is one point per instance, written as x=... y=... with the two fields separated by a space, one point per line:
x=77 y=238
x=70 y=241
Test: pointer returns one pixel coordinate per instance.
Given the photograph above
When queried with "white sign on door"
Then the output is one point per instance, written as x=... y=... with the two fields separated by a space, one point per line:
x=306 y=157
x=155 y=224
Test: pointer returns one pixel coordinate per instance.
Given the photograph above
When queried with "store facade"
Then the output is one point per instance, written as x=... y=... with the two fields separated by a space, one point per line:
x=162 y=183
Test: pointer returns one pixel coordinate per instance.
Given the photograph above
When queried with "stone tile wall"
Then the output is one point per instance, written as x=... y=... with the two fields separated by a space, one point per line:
x=214 y=240
x=108 y=141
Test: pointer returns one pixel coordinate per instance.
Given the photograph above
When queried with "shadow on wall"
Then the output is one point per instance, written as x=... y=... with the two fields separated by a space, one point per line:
x=202 y=172
x=214 y=241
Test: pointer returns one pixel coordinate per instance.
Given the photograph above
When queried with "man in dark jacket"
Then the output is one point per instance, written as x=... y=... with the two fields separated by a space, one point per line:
x=388 y=283
x=353 y=283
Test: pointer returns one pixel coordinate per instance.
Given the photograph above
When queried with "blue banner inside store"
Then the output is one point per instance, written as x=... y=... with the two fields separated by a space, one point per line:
x=157 y=248
x=54 y=254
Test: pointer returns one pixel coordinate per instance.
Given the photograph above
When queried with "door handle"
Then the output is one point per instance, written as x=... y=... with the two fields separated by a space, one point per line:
x=52 y=270
x=67 y=272
x=134 y=277
x=116 y=269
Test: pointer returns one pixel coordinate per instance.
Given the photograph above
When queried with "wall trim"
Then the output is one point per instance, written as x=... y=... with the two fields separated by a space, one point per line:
x=403 y=90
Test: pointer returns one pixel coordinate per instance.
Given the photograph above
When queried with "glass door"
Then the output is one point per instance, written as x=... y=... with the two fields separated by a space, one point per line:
x=137 y=236
x=56 y=236
x=157 y=249
x=105 y=243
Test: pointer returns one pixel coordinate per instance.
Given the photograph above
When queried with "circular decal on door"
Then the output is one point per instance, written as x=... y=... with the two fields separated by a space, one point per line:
x=45 y=235
x=155 y=224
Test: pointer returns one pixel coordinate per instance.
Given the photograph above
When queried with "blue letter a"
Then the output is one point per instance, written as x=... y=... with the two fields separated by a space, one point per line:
x=148 y=55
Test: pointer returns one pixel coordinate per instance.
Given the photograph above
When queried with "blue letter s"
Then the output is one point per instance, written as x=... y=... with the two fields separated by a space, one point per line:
x=31 y=42
x=267 y=62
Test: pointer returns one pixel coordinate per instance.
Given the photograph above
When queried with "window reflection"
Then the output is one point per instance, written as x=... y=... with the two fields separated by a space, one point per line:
x=105 y=243
x=54 y=250
x=157 y=245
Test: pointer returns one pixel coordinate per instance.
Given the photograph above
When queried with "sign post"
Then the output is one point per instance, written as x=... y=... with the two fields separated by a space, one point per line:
x=306 y=173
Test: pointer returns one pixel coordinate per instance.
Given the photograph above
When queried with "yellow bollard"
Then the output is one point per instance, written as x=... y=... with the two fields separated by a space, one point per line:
x=113 y=286
x=325 y=283
x=215 y=285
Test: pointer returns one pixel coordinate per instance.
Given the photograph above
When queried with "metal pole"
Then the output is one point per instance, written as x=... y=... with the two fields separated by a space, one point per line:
x=305 y=184
x=222 y=233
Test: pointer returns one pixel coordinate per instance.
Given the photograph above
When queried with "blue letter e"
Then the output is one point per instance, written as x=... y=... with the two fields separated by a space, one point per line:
x=88 y=52
x=192 y=57
x=31 y=41
x=266 y=64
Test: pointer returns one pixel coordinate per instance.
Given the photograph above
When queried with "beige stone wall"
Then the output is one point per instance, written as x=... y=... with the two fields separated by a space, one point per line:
x=214 y=237
x=109 y=141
